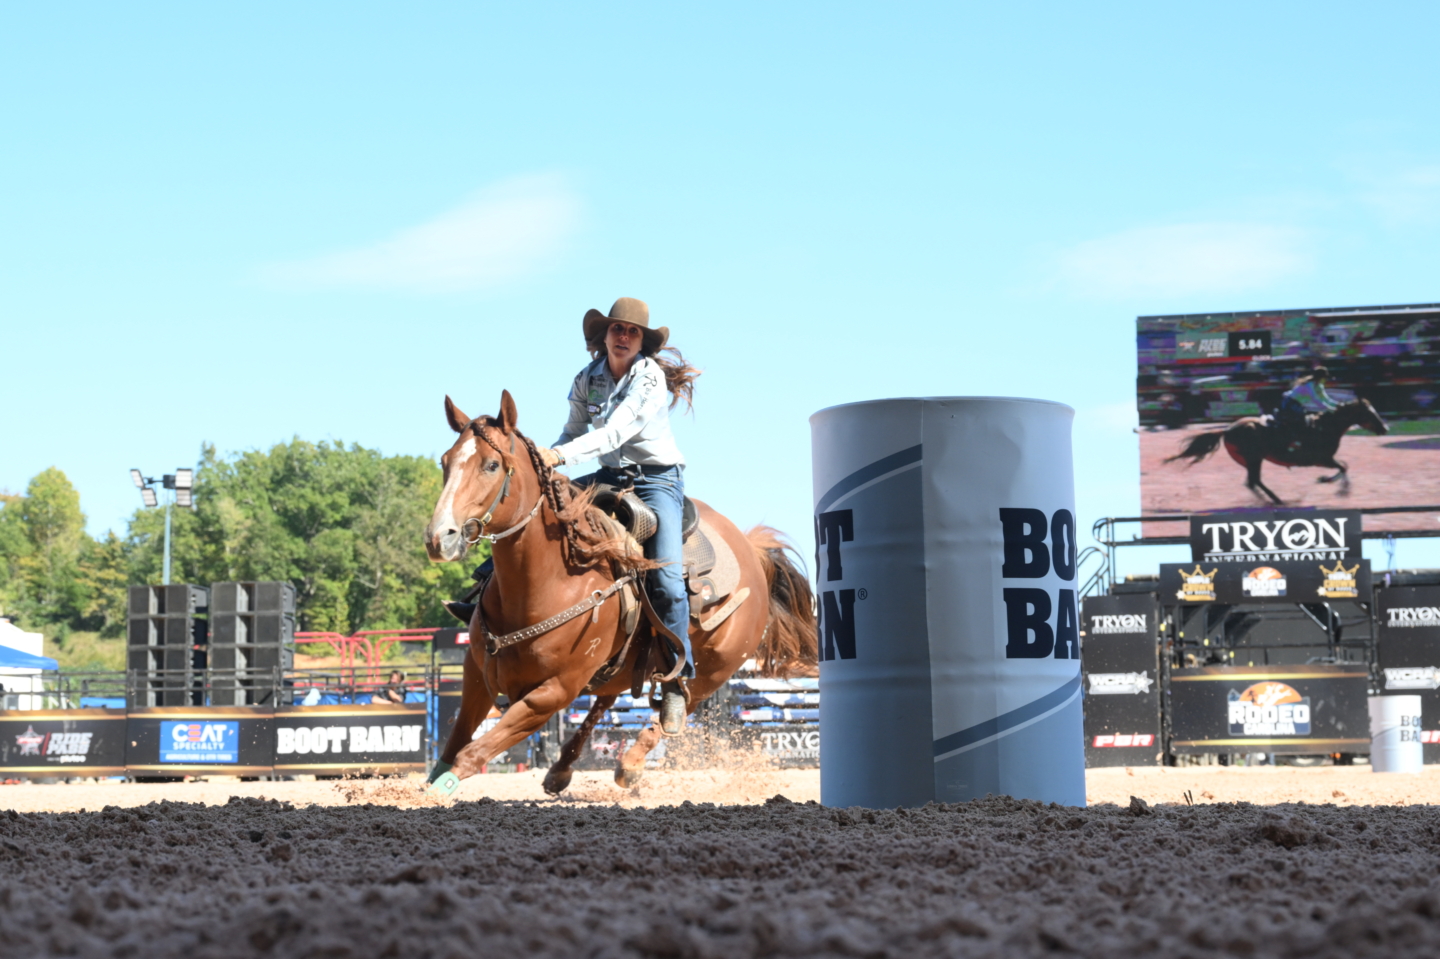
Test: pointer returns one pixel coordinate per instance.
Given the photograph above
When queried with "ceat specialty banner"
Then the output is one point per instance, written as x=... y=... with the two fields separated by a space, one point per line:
x=949 y=624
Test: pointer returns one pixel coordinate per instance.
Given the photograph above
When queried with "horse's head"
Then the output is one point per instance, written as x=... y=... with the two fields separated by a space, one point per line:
x=482 y=482
x=1371 y=420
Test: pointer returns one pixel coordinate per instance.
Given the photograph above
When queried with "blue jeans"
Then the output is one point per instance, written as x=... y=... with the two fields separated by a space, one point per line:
x=663 y=490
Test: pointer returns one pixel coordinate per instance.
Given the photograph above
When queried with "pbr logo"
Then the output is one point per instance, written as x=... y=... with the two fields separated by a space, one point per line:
x=1102 y=624
x=1121 y=739
x=189 y=742
x=1269 y=709
x=1414 y=617
x=1412 y=677
x=1197 y=586
x=1264 y=582
x=1034 y=545
x=30 y=741
x=1119 y=684
x=1339 y=582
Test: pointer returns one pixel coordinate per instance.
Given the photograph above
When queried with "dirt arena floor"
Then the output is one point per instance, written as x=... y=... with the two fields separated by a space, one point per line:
x=1395 y=470
x=371 y=868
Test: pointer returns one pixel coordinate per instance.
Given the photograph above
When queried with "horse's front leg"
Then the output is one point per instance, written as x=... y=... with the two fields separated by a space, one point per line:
x=559 y=775
x=1343 y=475
x=1252 y=481
x=475 y=703
x=522 y=719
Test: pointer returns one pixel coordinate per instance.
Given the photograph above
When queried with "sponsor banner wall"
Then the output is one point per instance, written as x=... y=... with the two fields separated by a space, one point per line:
x=1119 y=662
x=1258 y=538
x=189 y=740
x=1408 y=654
x=1270 y=709
x=62 y=742
x=1186 y=584
x=339 y=739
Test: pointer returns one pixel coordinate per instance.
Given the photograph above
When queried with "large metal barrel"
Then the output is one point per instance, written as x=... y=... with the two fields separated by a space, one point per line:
x=950 y=658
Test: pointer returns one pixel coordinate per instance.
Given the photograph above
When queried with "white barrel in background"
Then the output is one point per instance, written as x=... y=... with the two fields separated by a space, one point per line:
x=1395 y=745
x=949 y=627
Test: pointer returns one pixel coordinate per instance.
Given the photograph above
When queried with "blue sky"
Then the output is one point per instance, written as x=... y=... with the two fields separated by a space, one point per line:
x=241 y=225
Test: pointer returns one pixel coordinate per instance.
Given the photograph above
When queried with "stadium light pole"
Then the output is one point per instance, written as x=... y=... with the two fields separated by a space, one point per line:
x=181 y=482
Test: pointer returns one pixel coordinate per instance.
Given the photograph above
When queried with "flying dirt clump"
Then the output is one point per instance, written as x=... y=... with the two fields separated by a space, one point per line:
x=997 y=877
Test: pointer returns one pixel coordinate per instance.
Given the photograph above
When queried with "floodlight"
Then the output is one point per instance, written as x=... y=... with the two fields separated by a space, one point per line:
x=183 y=496
x=184 y=479
x=148 y=495
x=139 y=480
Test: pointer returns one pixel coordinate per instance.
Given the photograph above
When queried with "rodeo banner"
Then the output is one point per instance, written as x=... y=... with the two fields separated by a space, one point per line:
x=1408 y=651
x=1264 y=582
x=334 y=740
x=63 y=742
x=1120 y=664
x=1272 y=709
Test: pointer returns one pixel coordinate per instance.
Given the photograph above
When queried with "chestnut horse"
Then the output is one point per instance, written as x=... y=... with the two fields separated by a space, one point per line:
x=552 y=552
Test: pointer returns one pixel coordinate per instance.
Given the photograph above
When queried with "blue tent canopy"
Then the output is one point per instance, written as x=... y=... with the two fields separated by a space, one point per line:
x=14 y=659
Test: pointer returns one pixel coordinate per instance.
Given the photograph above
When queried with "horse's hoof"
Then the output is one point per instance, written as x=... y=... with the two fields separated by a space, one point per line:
x=556 y=781
x=629 y=777
x=445 y=785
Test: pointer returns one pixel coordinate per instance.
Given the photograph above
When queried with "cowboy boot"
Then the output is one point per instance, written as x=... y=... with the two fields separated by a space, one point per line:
x=673 y=699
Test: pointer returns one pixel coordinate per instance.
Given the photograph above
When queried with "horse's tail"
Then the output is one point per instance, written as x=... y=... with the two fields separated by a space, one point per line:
x=1199 y=447
x=792 y=641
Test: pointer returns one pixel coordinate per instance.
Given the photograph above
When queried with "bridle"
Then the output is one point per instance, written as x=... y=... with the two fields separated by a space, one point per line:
x=500 y=497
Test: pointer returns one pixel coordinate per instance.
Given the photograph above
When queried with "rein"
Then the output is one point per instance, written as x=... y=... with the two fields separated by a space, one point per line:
x=549 y=489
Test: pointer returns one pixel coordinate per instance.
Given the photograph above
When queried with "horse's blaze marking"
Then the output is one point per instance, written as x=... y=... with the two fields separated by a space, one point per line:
x=445 y=510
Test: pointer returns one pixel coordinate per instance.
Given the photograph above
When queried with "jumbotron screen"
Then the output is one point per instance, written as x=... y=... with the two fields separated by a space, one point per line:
x=1295 y=409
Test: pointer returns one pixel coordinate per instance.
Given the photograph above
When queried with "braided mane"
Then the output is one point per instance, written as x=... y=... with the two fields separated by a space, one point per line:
x=588 y=540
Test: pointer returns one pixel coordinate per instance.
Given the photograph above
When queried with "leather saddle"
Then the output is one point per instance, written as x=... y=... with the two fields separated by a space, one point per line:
x=711 y=571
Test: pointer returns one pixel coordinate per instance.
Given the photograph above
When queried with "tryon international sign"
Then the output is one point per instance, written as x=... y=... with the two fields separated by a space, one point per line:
x=1275 y=537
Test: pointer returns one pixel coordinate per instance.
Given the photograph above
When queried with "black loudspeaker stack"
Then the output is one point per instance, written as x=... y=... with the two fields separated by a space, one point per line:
x=252 y=642
x=165 y=642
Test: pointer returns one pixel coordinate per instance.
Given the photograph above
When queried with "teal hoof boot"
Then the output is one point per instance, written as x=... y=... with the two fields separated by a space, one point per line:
x=441 y=768
x=446 y=784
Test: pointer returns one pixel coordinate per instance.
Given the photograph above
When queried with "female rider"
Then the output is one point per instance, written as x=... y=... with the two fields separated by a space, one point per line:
x=619 y=414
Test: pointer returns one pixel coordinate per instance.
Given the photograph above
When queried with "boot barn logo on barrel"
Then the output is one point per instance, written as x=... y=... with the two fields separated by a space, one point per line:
x=1038 y=623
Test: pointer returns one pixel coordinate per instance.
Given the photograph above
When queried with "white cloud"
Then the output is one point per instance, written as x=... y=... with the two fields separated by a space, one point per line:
x=1184 y=259
x=503 y=232
x=1408 y=195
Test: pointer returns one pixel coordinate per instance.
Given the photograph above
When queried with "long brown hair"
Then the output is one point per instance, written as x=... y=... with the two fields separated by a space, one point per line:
x=680 y=376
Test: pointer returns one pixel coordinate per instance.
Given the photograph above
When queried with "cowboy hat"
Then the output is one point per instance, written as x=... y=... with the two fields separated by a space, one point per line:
x=627 y=309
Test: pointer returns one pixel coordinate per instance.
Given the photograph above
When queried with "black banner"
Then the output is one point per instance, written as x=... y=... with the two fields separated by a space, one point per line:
x=186 y=740
x=1270 y=709
x=1190 y=583
x=1120 y=664
x=62 y=742
x=1408 y=652
x=333 y=740
x=1278 y=537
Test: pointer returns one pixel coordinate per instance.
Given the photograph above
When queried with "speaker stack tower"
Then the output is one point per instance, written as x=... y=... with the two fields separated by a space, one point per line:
x=165 y=653
x=252 y=642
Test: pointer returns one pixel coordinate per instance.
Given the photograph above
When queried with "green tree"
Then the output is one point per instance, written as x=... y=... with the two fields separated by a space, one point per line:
x=44 y=559
x=342 y=523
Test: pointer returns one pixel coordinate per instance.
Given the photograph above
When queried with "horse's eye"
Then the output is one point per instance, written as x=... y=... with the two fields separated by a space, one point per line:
x=492 y=466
